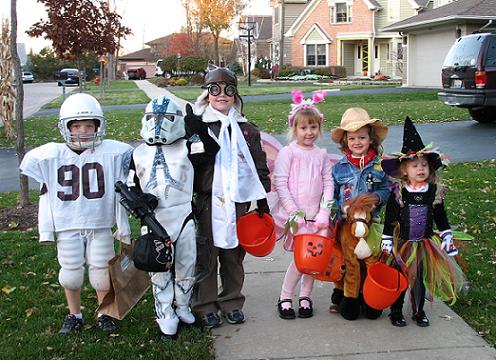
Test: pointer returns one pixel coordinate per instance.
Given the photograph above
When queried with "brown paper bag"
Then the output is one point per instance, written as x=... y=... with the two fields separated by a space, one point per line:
x=127 y=286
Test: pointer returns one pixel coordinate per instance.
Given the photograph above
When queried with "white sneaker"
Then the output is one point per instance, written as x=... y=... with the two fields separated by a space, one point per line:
x=185 y=315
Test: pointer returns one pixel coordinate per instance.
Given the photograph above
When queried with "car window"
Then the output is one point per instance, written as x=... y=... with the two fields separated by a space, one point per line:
x=464 y=51
x=491 y=53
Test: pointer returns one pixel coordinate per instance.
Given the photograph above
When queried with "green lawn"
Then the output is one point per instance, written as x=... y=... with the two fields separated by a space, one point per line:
x=32 y=304
x=271 y=116
x=192 y=92
x=120 y=92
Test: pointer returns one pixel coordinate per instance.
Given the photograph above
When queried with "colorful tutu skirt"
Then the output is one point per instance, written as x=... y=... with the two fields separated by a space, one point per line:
x=441 y=275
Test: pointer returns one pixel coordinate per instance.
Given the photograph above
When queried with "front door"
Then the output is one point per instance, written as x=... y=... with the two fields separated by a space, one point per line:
x=362 y=59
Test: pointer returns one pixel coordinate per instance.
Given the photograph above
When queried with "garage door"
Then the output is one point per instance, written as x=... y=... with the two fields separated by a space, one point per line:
x=429 y=50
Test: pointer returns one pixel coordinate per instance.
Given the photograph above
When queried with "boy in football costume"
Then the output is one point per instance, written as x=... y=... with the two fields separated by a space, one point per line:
x=78 y=205
x=161 y=167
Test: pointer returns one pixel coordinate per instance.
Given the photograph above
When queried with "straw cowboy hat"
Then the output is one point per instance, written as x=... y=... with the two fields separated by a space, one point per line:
x=355 y=118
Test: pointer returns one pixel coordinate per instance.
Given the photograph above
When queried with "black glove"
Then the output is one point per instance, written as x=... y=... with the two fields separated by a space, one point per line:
x=262 y=207
x=193 y=123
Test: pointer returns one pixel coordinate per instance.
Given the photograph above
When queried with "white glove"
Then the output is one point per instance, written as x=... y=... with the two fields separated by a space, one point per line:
x=447 y=244
x=387 y=244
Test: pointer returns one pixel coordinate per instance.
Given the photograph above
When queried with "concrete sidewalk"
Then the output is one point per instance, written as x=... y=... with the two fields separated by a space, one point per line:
x=326 y=335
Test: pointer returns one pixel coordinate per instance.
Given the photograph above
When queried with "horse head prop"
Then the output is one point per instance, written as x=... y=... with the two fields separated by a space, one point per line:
x=358 y=219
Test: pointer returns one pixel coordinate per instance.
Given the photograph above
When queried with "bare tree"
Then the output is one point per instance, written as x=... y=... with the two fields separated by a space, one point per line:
x=19 y=89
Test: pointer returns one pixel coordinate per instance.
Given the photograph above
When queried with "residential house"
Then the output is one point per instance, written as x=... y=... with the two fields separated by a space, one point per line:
x=181 y=45
x=139 y=59
x=284 y=14
x=428 y=36
x=348 y=33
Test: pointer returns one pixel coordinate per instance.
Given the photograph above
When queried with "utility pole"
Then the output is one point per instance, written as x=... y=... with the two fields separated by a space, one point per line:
x=249 y=27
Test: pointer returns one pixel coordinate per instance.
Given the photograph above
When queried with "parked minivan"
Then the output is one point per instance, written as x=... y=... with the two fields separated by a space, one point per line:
x=469 y=76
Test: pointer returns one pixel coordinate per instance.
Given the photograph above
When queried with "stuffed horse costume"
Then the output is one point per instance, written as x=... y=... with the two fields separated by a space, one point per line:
x=357 y=257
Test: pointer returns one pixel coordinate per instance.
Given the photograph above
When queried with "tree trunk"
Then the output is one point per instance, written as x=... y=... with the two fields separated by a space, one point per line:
x=24 y=189
x=216 y=47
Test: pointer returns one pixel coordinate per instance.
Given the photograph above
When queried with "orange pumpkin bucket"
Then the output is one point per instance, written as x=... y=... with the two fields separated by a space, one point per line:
x=383 y=285
x=311 y=253
x=334 y=270
x=256 y=234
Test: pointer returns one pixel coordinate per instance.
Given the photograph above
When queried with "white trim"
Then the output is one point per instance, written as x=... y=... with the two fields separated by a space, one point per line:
x=435 y=22
x=354 y=36
x=326 y=54
x=303 y=16
x=326 y=39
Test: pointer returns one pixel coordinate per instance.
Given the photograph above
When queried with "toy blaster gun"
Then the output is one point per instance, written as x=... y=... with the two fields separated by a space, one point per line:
x=153 y=251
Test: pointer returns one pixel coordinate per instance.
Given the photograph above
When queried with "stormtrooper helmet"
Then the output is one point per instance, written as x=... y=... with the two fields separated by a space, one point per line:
x=163 y=122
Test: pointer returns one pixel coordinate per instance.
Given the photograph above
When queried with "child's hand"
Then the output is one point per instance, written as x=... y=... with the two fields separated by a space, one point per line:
x=262 y=207
x=387 y=244
x=322 y=219
x=447 y=244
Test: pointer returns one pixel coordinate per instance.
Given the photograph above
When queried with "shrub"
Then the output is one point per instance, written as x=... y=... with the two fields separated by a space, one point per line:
x=197 y=79
x=261 y=73
x=161 y=82
x=235 y=68
x=193 y=64
x=181 y=82
x=333 y=71
x=288 y=70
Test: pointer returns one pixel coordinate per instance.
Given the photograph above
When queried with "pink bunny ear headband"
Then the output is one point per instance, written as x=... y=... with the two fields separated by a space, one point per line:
x=299 y=103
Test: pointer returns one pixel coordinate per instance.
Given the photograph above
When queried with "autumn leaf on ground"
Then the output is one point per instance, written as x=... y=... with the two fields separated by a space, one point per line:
x=13 y=225
x=494 y=219
x=29 y=312
x=7 y=289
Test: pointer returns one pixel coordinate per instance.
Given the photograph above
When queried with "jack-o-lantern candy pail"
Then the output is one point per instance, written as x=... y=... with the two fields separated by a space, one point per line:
x=311 y=253
x=256 y=234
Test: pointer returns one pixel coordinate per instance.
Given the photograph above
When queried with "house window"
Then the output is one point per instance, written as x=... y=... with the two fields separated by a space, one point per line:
x=388 y=55
x=399 y=51
x=359 y=52
x=376 y=52
x=340 y=13
x=316 y=54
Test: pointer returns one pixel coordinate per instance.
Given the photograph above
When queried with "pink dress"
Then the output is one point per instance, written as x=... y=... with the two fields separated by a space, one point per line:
x=302 y=178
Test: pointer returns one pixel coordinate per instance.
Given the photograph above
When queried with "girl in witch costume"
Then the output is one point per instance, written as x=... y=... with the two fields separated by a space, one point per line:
x=416 y=203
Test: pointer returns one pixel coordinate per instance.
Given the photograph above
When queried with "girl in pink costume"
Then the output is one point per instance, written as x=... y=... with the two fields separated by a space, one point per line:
x=303 y=183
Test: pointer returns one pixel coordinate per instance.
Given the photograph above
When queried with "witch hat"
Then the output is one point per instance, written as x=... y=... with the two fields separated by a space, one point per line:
x=413 y=147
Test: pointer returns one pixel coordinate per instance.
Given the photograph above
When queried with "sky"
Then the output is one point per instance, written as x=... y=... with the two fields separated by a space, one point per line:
x=148 y=19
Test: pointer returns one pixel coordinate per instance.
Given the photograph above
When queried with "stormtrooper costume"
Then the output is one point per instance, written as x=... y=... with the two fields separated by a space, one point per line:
x=161 y=167
x=77 y=199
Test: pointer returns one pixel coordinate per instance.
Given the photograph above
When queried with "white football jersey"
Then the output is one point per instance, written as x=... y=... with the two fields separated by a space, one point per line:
x=166 y=172
x=80 y=186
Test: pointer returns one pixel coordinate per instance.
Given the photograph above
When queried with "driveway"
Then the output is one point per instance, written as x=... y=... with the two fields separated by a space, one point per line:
x=38 y=94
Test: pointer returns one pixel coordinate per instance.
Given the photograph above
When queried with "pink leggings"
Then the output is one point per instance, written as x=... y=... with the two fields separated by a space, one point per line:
x=291 y=280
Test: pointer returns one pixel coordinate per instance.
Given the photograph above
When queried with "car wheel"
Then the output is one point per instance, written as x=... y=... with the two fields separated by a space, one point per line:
x=483 y=115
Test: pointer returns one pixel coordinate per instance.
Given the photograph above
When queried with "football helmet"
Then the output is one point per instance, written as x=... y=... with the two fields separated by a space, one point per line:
x=163 y=122
x=81 y=107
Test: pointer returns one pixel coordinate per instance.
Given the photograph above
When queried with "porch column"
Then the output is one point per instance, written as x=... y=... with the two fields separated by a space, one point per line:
x=370 y=44
x=339 y=60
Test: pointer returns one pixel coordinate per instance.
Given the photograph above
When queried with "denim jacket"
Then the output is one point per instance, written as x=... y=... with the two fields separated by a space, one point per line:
x=349 y=181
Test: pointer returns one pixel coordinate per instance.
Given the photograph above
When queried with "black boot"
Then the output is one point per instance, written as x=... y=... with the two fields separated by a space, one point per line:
x=350 y=308
x=397 y=318
x=336 y=299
